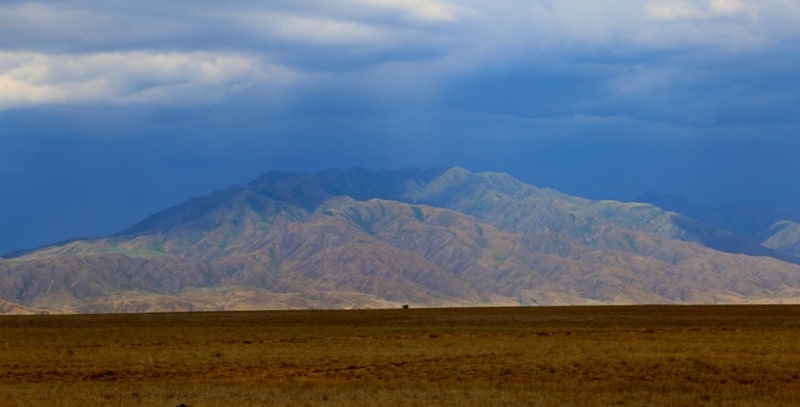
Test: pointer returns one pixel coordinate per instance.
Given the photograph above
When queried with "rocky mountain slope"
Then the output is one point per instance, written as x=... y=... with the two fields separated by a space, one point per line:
x=783 y=236
x=360 y=238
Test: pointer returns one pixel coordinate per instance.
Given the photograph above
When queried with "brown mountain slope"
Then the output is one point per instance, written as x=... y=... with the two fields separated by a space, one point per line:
x=383 y=253
x=10 y=308
x=457 y=239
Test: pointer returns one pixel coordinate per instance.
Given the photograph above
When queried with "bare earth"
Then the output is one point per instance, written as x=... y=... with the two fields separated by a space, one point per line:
x=638 y=355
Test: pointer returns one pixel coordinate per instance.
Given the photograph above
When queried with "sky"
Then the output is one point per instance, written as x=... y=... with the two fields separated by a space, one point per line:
x=111 y=110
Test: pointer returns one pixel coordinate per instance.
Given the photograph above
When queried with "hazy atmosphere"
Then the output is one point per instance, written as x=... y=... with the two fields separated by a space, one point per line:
x=112 y=110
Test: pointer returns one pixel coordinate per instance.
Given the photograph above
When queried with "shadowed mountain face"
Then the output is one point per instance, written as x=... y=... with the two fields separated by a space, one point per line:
x=342 y=239
x=739 y=228
x=743 y=220
x=301 y=191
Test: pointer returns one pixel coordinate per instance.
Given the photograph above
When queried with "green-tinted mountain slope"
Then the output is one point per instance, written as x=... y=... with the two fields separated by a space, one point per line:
x=784 y=237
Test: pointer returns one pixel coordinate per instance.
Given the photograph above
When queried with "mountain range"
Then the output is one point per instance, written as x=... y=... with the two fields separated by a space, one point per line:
x=435 y=237
x=773 y=229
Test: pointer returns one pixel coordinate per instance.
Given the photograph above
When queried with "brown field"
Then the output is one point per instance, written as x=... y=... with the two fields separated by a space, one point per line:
x=648 y=355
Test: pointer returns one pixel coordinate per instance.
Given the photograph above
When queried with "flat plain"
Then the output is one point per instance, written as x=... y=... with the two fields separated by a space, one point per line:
x=535 y=356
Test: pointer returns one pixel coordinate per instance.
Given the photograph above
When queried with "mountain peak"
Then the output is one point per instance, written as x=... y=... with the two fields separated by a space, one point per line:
x=456 y=173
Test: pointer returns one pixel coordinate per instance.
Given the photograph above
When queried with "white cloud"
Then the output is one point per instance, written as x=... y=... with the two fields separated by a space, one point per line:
x=673 y=10
x=83 y=24
x=128 y=77
x=729 y=7
x=315 y=31
x=620 y=26
x=429 y=11
x=37 y=16
x=669 y=10
x=140 y=50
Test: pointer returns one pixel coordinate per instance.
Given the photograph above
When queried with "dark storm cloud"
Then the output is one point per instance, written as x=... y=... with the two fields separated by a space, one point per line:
x=184 y=51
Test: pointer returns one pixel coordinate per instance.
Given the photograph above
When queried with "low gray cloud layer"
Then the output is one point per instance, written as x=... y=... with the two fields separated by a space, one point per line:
x=79 y=52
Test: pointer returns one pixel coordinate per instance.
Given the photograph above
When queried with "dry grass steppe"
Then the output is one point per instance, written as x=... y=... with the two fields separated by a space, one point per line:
x=535 y=356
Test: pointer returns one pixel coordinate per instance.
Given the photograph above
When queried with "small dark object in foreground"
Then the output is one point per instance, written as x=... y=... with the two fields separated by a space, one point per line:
x=405 y=306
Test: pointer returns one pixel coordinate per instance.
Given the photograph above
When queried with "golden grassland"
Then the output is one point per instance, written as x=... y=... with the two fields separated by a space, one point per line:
x=560 y=356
